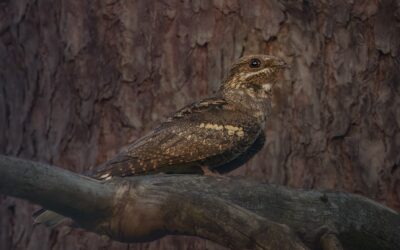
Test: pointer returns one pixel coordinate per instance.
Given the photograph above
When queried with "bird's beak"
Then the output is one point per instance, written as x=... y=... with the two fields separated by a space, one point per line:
x=282 y=65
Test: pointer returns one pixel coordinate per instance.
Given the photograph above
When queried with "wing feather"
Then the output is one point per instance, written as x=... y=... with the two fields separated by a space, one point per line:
x=206 y=133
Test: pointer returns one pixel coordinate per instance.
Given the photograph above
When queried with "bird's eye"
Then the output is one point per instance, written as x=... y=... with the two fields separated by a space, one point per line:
x=255 y=63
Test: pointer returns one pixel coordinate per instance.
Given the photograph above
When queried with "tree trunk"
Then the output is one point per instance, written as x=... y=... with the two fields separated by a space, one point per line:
x=81 y=79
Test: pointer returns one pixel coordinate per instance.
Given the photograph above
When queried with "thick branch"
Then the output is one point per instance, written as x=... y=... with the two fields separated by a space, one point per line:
x=69 y=194
x=151 y=209
x=237 y=213
x=135 y=210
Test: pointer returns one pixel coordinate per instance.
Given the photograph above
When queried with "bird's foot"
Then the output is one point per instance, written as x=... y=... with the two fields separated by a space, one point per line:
x=208 y=172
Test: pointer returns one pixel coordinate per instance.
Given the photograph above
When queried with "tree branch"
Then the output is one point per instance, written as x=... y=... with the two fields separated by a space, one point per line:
x=234 y=212
x=55 y=188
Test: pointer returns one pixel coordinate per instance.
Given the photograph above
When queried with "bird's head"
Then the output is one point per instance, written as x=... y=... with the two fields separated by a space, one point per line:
x=254 y=75
x=250 y=83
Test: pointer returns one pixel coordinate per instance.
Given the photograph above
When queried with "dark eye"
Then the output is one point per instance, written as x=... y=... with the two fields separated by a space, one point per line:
x=255 y=63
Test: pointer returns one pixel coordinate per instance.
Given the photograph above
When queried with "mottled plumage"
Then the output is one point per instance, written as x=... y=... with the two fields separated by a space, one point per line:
x=221 y=132
x=207 y=133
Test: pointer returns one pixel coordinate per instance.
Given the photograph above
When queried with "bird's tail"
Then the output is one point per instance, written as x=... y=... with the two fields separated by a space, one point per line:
x=47 y=218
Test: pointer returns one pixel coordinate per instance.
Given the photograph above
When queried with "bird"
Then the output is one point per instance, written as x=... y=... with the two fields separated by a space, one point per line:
x=218 y=133
x=214 y=135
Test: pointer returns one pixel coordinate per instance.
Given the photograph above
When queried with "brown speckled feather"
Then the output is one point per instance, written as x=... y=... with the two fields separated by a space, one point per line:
x=207 y=133
x=220 y=133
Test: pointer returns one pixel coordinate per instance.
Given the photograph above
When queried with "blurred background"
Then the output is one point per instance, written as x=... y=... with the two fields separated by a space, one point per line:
x=81 y=79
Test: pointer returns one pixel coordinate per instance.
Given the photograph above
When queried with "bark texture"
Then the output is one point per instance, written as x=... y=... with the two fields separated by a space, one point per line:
x=235 y=212
x=145 y=208
x=81 y=79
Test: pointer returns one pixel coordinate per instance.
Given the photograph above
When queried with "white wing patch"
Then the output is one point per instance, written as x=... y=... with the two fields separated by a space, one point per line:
x=106 y=177
x=230 y=129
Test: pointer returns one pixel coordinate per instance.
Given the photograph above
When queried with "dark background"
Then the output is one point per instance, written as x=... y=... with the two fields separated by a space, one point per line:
x=81 y=79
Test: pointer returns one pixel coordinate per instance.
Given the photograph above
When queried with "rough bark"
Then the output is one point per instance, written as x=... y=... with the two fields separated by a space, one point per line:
x=225 y=210
x=80 y=79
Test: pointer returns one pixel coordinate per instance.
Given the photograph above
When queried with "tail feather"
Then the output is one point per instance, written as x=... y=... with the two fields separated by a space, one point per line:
x=47 y=218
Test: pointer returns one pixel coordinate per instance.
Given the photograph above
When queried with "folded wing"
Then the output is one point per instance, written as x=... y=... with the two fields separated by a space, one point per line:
x=209 y=133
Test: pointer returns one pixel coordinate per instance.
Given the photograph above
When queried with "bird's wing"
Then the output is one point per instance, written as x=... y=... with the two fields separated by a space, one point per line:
x=245 y=156
x=207 y=133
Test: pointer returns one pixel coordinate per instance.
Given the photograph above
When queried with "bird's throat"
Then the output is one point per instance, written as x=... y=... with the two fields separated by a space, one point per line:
x=254 y=103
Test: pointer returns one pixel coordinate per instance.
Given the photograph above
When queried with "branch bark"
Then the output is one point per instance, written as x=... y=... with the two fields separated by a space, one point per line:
x=234 y=212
